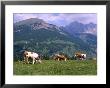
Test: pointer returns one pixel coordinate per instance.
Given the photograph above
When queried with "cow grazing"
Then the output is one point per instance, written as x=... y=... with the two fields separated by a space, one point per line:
x=80 y=56
x=59 y=57
x=31 y=55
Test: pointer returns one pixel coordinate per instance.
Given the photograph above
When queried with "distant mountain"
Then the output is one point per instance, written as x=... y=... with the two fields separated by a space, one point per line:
x=47 y=39
x=76 y=27
x=91 y=28
x=86 y=32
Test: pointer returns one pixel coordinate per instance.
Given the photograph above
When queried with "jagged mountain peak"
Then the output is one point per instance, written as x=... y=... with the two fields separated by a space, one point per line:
x=77 y=27
x=29 y=21
x=35 y=24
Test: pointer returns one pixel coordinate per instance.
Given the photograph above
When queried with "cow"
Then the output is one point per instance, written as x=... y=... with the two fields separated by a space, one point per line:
x=59 y=57
x=31 y=55
x=80 y=56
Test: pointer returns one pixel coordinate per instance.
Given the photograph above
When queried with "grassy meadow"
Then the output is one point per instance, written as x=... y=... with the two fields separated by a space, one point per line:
x=51 y=67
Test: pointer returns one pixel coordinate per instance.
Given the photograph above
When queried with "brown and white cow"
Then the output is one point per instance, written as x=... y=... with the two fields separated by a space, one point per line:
x=80 y=56
x=31 y=55
x=59 y=57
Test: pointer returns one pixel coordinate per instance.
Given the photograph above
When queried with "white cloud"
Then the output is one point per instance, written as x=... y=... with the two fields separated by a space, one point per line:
x=59 y=19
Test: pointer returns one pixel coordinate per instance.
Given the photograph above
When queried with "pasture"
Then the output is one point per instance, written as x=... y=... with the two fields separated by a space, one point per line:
x=51 y=67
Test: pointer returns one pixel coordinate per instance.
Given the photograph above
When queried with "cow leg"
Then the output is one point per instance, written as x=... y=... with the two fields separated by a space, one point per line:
x=58 y=59
x=24 y=60
x=82 y=58
x=36 y=60
x=27 y=60
x=39 y=61
x=33 y=60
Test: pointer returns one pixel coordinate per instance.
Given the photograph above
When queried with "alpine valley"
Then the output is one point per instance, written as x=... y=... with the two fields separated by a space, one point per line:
x=36 y=35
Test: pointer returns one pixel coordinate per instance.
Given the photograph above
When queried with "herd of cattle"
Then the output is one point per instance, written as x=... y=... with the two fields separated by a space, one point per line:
x=58 y=57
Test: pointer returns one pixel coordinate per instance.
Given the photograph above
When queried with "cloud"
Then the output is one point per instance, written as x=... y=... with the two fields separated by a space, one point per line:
x=60 y=19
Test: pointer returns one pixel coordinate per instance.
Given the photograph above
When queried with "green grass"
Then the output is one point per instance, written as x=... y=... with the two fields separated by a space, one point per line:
x=51 y=67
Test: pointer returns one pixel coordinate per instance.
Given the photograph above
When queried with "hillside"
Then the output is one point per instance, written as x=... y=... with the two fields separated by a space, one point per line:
x=44 y=38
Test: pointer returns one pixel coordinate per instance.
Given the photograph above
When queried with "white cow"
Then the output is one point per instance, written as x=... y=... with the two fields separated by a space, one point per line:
x=32 y=55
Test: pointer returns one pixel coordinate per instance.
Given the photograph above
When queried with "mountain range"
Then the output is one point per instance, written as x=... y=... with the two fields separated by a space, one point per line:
x=36 y=35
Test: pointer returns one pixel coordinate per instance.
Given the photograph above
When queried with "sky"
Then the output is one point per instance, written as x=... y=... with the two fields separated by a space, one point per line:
x=59 y=19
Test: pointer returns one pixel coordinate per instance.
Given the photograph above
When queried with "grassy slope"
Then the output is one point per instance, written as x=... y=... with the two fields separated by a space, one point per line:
x=51 y=67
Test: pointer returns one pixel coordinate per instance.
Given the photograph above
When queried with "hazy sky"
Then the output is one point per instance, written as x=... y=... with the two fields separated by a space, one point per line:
x=60 y=19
